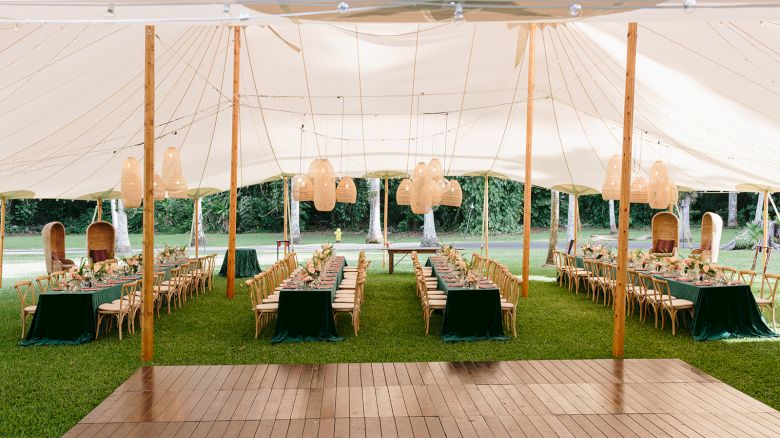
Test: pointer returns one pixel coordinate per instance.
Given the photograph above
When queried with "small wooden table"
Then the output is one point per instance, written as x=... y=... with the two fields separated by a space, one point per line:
x=407 y=250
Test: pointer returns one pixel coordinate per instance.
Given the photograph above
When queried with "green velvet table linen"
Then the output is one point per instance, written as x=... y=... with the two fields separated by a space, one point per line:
x=246 y=263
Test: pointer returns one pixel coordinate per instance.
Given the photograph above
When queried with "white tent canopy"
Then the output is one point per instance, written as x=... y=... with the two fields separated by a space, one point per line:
x=378 y=97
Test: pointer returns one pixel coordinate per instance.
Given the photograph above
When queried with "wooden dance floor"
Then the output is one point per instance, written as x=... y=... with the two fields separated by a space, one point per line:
x=595 y=398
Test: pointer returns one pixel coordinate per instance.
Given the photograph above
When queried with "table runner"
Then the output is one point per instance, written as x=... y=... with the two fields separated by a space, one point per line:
x=719 y=311
x=307 y=314
x=471 y=314
x=70 y=317
x=246 y=263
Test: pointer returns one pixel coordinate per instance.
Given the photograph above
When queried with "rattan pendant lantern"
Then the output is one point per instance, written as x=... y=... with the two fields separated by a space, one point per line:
x=159 y=190
x=639 y=192
x=346 y=193
x=420 y=200
x=323 y=183
x=131 y=188
x=171 y=170
x=404 y=192
x=611 y=188
x=673 y=193
x=436 y=193
x=302 y=190
x=453 y=197
x=658 y=187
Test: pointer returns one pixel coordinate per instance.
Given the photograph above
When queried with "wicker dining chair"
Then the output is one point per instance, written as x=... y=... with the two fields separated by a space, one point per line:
x=351 y=308
x=120 y=310
x=429 y=304
x=669 y=304
x=44 y=283
x=171 y=289
x=747 y=277
x=576 y=275
x=27 y=301
x=509 y=307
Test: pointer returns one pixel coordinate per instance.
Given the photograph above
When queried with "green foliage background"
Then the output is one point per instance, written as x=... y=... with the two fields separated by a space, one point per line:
x=260 y=209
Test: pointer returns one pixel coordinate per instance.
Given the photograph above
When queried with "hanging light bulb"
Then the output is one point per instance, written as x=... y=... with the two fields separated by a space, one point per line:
x=110 y=10
x=346 y=192
x=610 y=190
x=171 y=169
x=575 y=10
x=343 y=8
x=324 y=184
x=453 y=197
x=403 y=193
x=639 y=192
x=130 y=184
x=658 y=188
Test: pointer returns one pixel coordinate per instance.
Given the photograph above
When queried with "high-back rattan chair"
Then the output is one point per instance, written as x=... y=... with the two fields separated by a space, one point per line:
x=100 y=241
x=665 y=233
x=54 y=248
x=711 y=230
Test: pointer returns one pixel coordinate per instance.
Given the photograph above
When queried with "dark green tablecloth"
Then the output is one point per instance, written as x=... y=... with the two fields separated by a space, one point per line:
x=471 y=314
x=69 y=317
x=246 y=263
x=720 y=312
x=307 y=314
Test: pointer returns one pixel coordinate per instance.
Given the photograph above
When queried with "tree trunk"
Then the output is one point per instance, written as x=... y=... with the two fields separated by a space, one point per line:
x=374 y=224
x=570 y=221
x=759 y=217
x=554 y=208
x=201 y=234
x=429 y=231
x=119 y=220
x=295 y=220
x=732 y=220
x=685 y=219
x=612 y=225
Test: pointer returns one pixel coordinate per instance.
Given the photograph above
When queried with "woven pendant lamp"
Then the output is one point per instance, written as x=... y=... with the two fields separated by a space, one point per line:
x=404 y=192
x=323 y=183
x=611 y=188
x=673 y=193
x=453 y=197
x=421 y=192
x=131 y=188
x=436 y=169
x=180 y=187
x=639 y=192
x=171 y=169
x=159 y=190
x=302 y=190
x=658 y=188
x=436 y=193
x=346 y=193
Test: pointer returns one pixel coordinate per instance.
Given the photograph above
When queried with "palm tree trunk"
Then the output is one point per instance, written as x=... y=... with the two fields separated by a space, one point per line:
x=201 y=234
x=119 y=220
x=732 y=219
x=374 y=225
x=554 y=210
x=685 y=219
x=295 y=220
x=570 y=221
x=758 y=218
x=429 y=231
x=612 y=224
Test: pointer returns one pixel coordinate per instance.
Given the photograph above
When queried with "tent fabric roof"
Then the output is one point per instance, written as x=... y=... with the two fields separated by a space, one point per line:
x=375 y=98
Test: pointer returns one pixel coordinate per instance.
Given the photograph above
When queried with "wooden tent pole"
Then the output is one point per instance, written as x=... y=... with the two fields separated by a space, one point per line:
x=485 y=216
x=619 y=324
x=385 y=221
x=197 y=243
x=231 y=255
x=286 y=197
x=2 y=236
x=529 y=118
x=147 y=310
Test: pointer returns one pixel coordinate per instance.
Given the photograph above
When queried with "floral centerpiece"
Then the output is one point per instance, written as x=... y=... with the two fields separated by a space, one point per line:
x=130 y=265
x=172 y=254
x=698 y=268
x=80 y=277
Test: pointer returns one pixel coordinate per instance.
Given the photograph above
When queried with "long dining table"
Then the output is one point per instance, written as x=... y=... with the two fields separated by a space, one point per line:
x=720 y=311
x=471 y=314
x=307 y=314
x=70 y=317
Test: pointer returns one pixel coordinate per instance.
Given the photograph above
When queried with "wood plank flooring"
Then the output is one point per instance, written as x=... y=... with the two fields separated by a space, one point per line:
x=593 y=398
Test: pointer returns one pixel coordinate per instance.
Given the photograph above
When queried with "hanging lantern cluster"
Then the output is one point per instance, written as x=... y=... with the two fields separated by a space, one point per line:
x=428 y=188
x=320 y=186
x=660 y=192
x=171 y=182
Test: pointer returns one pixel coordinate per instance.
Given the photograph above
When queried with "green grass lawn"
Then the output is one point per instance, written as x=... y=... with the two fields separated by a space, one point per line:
x=46 y=390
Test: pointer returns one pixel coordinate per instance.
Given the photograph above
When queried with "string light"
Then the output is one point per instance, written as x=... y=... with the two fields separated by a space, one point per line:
x=110 y=10
x=575 y=10
x=343 y=8
x=16 y=28
x=689 y=5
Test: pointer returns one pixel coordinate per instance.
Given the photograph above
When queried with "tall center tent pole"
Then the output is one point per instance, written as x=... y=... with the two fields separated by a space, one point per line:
x=619 y=324
x=231 y=255
x=527 y=181
x=147 y=310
